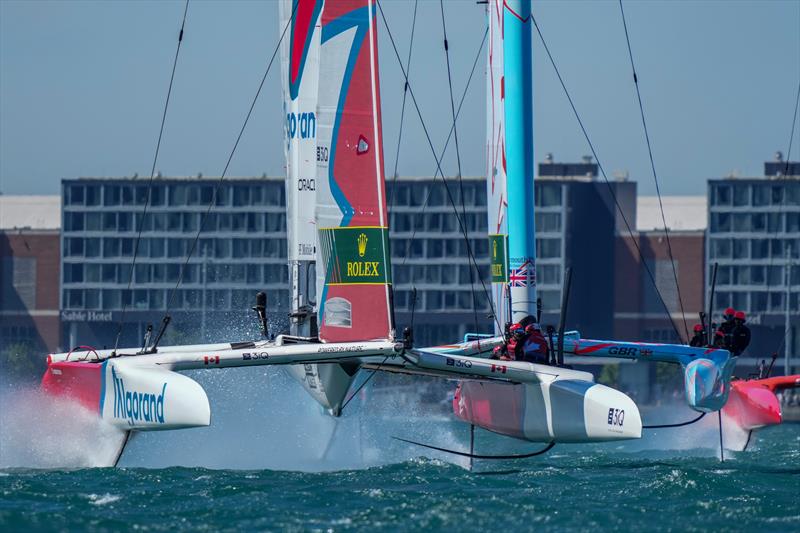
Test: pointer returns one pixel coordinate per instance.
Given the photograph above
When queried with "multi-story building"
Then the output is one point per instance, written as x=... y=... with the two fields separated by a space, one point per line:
x=241 y=249
x=29 y=272
x=754 y=238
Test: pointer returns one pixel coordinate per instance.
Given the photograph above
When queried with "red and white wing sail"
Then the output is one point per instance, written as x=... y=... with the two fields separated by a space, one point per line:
x=353 y=268
x=496 y=160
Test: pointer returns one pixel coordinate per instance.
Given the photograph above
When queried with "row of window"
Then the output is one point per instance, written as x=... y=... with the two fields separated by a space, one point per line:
x=174 y=222
x=158 y=247
x=771 y=275
x=725 y=248
x=755 y=301
x=761 y=194
x=170 y=273
x=755 y=222
x=434 y=194
x=462 y=274
x=199 y=194
x=460 y=300
x=157 y=299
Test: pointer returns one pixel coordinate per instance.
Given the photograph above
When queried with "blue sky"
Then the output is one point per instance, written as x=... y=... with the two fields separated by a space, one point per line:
x=82 y=86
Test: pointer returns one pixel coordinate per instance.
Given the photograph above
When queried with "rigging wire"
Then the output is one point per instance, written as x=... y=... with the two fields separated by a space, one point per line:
x=603 y=173
x=403 y=109
x=678 y=425
x=363 y=383
x=458 y=156
x=544 y=450
x=228 y=162
x=150 y=182
x=433 y=151
x=653 y=168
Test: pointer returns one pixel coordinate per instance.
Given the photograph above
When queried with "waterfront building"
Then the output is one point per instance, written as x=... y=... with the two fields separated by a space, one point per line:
x=29 y=273
x=754 y=238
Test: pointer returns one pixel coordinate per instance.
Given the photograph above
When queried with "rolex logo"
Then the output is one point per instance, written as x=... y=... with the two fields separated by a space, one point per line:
x=362 y=245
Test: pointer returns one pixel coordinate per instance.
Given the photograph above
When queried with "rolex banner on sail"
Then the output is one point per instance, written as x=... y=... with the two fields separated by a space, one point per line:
x=353 y=271
x=300 y=80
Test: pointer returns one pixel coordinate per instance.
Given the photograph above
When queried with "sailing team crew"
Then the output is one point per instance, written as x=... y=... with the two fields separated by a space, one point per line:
x=524 y=344
x=732 y=335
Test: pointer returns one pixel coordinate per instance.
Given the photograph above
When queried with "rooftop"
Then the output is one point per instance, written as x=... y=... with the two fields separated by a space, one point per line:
x=682 y=213
x=30 y=212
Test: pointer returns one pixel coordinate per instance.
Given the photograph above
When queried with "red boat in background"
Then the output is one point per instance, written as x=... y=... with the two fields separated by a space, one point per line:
x=753 y=404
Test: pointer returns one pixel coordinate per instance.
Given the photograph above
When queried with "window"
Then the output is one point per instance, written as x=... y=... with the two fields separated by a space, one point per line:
x=111 y=195
x=112 y=299
x=759 y=222
x=241 y=195
x=741 y=194
x=142 y=274
x=174 y=222
x=759 y=248
x=776 y=247
x=433 y=300
x=548 y=248
x=775 y=276
x=73 y=221
x=177 y=195
x=720 y=248
x=238 y=221
x=75 y=195
x=156 y=299
x=92 y=299
x=92 y=272
x=741 y=222
x=73 y=272
x=548 y=222
x=777 y=195
x=94 y=222
x=111 y=246
x=433 y=274
x=92 y=247
x=548 y=274
x=742 y=275
x=124 y=221
x=433 y=222
x=141 y=194
x=73 y=246
x=550 y=195
x=74 y=298
x=93 y=195
x=551 y=300
x=222 y=248
x=740 y=300
x=720 y=222
x=723 y=195
x=157 y=247
x=761 y=195
x=723 y=274
x=775 y=222
x=109 y=273
x=435 y=248
x=757 y=274
x=792 y=222
x=240 y=248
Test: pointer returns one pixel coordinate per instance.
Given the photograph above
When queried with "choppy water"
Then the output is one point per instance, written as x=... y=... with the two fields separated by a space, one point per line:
x=271 y=460
x=571 y=489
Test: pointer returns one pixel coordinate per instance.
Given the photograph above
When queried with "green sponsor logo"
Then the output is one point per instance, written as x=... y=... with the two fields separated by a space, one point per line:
x=356 y=255
x=497 y=248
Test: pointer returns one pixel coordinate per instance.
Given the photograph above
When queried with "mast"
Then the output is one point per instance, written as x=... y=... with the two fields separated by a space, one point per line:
x=518 y=88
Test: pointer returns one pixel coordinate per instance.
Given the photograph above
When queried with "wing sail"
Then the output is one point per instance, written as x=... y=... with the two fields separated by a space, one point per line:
x=300 y=82
x=496 y=162
x=353 y=272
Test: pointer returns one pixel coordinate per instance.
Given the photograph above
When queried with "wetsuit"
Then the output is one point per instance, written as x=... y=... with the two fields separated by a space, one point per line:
x=535 y=348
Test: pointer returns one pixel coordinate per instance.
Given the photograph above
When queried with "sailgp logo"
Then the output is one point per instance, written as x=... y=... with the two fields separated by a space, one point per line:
x=301 y=125
x=135 y=406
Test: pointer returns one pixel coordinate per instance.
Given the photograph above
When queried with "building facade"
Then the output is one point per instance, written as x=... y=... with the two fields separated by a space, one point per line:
x=29 y=272
x=242 y=249
x=754 y=239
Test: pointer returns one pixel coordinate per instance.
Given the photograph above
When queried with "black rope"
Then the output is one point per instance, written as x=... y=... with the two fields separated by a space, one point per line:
x=659 y=426
x=458 y=157
x=653 y=168
x=433 y=151
x=476 y=456
x=363 y=384
x=603 y=173
x=228 y=162
x=403 y=109
x=150 y=183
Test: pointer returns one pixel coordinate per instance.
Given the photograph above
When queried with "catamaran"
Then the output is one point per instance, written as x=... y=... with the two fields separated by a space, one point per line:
x=342 y=316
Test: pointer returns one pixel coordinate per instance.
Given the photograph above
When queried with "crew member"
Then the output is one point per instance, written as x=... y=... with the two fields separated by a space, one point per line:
x=740 y=336
x=511 y=350
x=727 y=327
x=534 y=348
x=699 y=339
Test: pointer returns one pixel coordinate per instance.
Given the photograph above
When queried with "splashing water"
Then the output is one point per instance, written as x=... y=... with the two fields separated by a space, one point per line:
x=40 y=431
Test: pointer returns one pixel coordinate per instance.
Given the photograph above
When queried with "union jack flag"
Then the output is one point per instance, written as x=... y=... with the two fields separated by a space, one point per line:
x=522 y=276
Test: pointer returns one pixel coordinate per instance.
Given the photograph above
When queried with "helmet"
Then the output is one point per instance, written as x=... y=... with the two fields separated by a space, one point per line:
x=740 y=315
x=517 y=329
x=729 y=312
x=698 y=328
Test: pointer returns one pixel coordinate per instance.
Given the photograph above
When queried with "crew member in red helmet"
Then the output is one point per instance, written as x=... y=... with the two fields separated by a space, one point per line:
x=740 y=336
x=534 y=348
x=699 y=339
